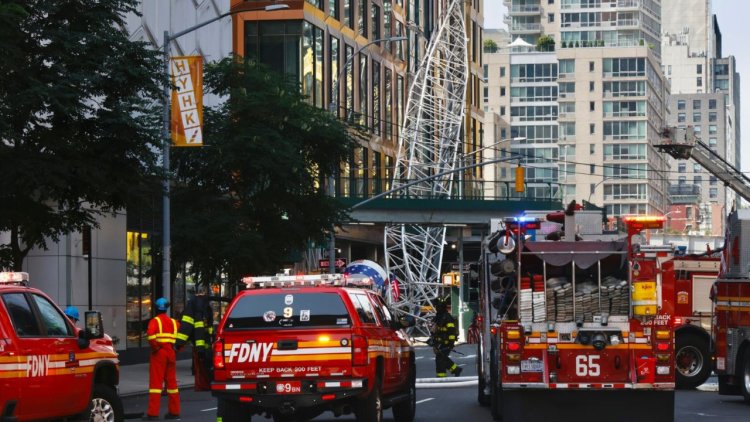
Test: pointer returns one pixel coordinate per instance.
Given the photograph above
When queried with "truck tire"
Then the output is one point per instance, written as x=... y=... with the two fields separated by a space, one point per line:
x=231 y=411
x=692 y=361
x=105 y=405
x=482 y=397
x=404 y=411
x=370 y=408
x=745 y=376
x=496 y=390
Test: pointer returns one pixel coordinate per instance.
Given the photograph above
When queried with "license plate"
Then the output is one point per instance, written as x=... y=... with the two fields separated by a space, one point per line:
x=531 y=366
x=289 y=387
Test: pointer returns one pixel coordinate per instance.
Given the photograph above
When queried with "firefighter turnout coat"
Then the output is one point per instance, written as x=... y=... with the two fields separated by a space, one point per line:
x=196 y=327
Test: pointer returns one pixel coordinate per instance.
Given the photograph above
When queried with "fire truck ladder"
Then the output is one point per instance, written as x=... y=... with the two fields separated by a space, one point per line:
x=682 y=144
x=429 y=142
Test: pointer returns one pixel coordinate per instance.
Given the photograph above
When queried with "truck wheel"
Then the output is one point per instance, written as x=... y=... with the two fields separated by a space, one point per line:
x=482 y=397
x=692 y=361
x=105 y=405
x=231 y=411
x=745 y=380
x=496 y=390
x=370 y=408
x=404 y=411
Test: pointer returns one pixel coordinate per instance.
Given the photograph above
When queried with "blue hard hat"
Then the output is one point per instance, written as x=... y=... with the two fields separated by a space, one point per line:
x=162 y=304
x=72 y=312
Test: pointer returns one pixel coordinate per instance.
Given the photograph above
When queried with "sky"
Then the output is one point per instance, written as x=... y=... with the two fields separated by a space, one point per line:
x=732 y=16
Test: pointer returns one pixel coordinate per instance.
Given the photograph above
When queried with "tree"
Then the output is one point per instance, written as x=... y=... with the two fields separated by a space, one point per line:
x=545 y=43
x=76 y=129
x=252 y=197
x=490 y=46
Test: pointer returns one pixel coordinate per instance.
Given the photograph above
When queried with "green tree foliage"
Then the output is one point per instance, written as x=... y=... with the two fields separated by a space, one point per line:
x=250 y=198
x=490 y=46
x=545 y=43
x=76 y=134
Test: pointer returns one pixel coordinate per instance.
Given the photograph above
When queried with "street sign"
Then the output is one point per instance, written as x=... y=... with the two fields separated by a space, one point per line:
x=324 y=263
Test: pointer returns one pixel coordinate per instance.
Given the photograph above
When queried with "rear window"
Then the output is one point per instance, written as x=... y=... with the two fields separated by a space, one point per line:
x=288 y=310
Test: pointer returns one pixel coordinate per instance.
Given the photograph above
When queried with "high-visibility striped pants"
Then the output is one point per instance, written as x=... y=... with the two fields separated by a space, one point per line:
x=443 y=362
x=162 y=370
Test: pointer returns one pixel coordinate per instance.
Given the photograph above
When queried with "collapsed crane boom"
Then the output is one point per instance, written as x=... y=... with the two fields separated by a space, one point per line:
x=682 y=144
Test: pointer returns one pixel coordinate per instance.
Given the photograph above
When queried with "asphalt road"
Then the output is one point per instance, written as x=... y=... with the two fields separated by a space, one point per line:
x=459 y=403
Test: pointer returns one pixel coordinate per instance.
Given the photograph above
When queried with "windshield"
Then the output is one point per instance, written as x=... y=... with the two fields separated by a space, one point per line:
x=288 y=310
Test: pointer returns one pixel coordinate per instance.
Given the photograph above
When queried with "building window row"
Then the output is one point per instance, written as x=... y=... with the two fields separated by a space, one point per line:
x=624 y=108
x=624 y=67
x=624 y=191
x=541 y=72
x=537 y=134
x=533 y=93
x=624 y=152
x=534 y=113
x=625 y=130
x=625 y=209
x=625 y=89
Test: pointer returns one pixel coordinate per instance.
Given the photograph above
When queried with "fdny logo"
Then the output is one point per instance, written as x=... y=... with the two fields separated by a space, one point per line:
x=244 y=352
x=37 y=365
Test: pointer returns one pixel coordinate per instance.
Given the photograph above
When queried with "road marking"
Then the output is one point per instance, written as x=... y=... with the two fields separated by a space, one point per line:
x=419 y=357
x=425 y=400
x=208 y=410
x=467 y=357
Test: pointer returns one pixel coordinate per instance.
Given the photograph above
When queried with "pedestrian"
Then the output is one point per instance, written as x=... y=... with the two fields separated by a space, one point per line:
x=196 y=326
x=72 y=313
x=162 y=333
x=443 y=339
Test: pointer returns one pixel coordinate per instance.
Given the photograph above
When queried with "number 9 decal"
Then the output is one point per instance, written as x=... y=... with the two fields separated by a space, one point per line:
x=288 y=311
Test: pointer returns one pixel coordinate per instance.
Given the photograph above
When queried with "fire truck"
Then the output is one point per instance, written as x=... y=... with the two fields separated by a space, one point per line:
x=573 y=317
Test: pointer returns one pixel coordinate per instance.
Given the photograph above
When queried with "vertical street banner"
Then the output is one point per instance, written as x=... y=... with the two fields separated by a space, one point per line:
x=187 y=101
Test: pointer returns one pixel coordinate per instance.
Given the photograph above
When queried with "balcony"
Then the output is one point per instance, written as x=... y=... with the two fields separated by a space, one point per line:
x=684 y=194
x=524 y=9
x=628 y=23
x=628 y=4
x=525 y=28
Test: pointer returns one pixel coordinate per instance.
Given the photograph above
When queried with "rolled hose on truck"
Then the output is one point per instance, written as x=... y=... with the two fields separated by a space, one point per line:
x=588 y=405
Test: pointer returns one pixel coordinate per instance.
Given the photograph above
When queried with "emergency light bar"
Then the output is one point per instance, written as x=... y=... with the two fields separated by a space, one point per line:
x=528 y=223
x=645 y=221
x=14 y=277
x=310 y=280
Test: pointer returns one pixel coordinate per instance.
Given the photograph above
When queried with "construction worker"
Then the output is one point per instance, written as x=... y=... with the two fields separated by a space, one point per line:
x=443 y=339
x=162 y=334
x=196 y=326
x=72 y=313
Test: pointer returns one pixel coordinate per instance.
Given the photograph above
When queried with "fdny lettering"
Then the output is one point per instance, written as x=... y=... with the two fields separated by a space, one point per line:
x=37 y=366
x=256 y=352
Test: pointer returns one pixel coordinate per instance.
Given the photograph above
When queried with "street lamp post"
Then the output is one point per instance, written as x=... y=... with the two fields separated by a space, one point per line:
x=333 y=107
x=167 y=141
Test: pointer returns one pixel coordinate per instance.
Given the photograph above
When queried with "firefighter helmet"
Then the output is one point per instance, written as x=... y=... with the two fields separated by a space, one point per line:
x=72 y=313
x=162 y=304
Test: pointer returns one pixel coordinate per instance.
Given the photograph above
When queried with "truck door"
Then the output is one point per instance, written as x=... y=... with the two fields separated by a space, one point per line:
x=10 y=384
x=62 y=364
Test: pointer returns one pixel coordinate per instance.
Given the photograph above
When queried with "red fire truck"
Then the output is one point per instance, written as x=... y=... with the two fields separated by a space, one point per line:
x=573 y=317
x=730 y=295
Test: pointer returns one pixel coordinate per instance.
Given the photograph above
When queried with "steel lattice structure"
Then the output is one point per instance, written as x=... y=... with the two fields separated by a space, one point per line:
x=429 y=144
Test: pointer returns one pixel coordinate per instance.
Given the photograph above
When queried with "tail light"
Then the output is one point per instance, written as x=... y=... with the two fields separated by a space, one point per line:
x=219 y=354
x=662 y=334
x=513 y=346
x=359 y=351
x=662 y=346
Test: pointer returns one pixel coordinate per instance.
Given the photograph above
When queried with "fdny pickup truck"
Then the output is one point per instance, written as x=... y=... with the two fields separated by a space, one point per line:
x=292 y=347
x=49 y=369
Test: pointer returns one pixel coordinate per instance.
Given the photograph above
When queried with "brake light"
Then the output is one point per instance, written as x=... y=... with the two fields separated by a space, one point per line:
x=360 y=354
x=219 y=354
x=493 y=330
x=514 y=346
x=662 y=347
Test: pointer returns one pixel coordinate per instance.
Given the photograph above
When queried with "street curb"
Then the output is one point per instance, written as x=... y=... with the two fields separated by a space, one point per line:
x=445 y=380
x=447 y=384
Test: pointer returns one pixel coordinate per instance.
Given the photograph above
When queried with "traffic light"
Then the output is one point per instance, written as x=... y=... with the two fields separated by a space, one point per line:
x=520 y=175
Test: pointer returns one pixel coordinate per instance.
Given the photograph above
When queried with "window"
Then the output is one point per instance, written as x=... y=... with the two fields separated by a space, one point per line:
x=712 y=129
x=550 y=1
x=316 y=3
x=624 y=108
x=669 y=69
x=364 y=308
x=592 y=128
x=713 y=193
x=333 y=9
x=712 y=116
x=697 y=180
x=592 y=168
x=591 y=105
x=621 y=67
x=486 y=94
x=680 y=104
x=540 y=72
x=625 y=130
x=502 y=110
x=591 y=66
x=699 y=69
x=681 y=167
x=567 y=66
x=625 y=191
x=267 y=311
x=712 y=180
x=550 y=17
x=349 y=13
x=712 y=104
x=696 y=117
x=376 y=99
x=712 y=142
x=333 y=63
x=592 y=187
x=591 y=86
x=680 y=117
x=592 y=149
x=502 y=91
x=276 y=44
x=689 y=212
x=312 y=67
x=375 y=22
x=624 y=152
x=681 y=180
x=697 y=128
x=696 y=168
x=362 y=22
x=55 y=324
x=696 y=104
x=502 y=71
x=21 y=314
x=699 y=81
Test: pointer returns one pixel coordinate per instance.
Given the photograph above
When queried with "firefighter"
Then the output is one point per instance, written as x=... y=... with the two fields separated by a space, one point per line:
x=196 y=326
x=162 y=333
x=443 y=339
x=72 y=313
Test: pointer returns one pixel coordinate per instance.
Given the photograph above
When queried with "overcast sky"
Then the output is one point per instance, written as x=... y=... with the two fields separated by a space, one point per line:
x=733 y=15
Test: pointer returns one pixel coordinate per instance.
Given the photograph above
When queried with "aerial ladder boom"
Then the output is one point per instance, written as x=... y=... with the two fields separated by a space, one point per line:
x=682 y=144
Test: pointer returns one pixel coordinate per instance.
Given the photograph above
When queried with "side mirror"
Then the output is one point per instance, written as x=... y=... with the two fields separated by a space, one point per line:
x=406 y=321
x=83 y=342
x=94 y=325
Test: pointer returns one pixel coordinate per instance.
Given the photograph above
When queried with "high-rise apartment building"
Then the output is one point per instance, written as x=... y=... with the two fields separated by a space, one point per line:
x=699 y=75
x=584 y=112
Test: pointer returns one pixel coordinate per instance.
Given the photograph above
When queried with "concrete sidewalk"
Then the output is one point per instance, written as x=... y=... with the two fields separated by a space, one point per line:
x=134 y=378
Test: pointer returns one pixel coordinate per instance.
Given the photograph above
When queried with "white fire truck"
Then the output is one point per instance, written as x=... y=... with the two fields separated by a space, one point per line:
x=572 y=317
